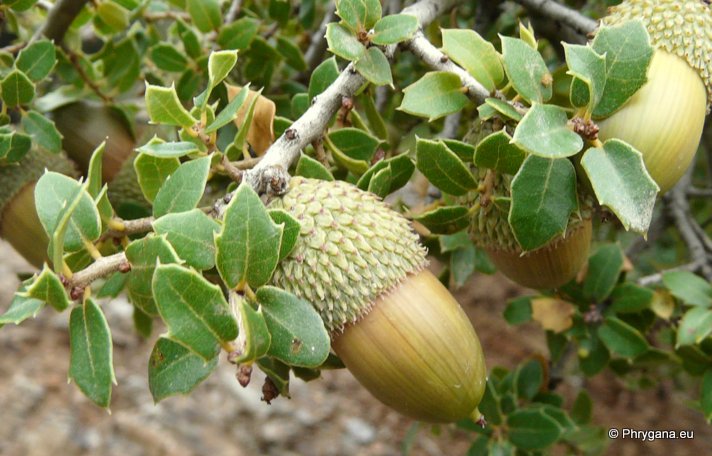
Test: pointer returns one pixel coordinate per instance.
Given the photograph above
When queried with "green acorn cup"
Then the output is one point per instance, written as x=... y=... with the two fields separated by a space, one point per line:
x=395 y=326
x=664 y=119
x=19 y=223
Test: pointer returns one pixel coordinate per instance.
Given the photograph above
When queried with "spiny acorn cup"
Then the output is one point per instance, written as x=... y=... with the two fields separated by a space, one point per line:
x=664 y=119
x=549 y=266
x=19 y=223
x=395 y=326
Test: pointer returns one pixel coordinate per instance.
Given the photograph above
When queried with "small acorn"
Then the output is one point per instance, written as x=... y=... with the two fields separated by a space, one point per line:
x=19 y=223
x=665 y=118
x=394 y=325
x=549 y=266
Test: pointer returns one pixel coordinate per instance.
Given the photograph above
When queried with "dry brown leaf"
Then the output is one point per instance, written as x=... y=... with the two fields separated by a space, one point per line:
x=552 y=314
x=261 y=133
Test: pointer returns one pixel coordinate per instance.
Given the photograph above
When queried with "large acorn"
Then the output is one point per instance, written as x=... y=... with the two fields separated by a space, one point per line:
x=664 y=119
x=549 y=266
x=395 y=326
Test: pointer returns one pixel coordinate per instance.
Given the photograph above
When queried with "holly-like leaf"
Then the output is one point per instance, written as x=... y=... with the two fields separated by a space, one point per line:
x=694 y=327
x=17 y=89
x=589 y=68
x=504 y=109
x=173 y=369
x=526 y=70
x=220 y=63
x=291 y=53
x=401 y=169
x=343 y=43
x=433 y=96
x=21 y=308
x=394 y=28
x=164 y=107
x=532 y=429
x=443 y=168
x=322 y=77
x=254 y=119
x=290 y=232
x=194 y=310
x=628 y=54
x=543 y=198
x=152 y=172
x=254 y=339
x=621 y=182
x=111 y=17
x=191 y=234
x=56 y=195
x=229 y=112
x=248 y=245
x=143 y=254
x=13 y=147
x=706 y=395
x=94 y=180
x=475 y=54
x=359 y=15
x=621 y=338
x=168 y=58
x=37 y=60
x=90 y=363
x=604 y=267
x=445 y=220
x=43 y=131
x=498 y=153
x=380 y=183
x=688 y=287
x=544 y=131
x=168 y=149
x=239 y=34
x=205 y=14
x=47 y=287
x=374 y=66
x=183 y=189
x=299 y=337
x=308 y=167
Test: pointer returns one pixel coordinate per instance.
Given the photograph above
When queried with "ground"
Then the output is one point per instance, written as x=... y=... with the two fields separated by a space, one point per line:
x=41 y=413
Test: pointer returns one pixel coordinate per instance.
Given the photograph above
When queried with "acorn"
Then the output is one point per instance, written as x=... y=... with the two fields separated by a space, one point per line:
x=19 y=223
x=394 y=325
x=664 y=119
x=549 y=266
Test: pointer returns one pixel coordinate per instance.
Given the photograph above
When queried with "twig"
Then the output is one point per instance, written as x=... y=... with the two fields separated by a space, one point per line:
x=232 y=171
x=74 y=60
x=166 y=15
x=233 y=12
x=699 y=192
x=100 y=268
x=561 y=14
x=451 y=126
x=59 y=19
x=658 y=277
x=317 y=45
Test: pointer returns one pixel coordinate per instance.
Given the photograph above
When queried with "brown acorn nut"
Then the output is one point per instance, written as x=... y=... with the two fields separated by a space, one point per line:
x=665 y=118
x=396 y=328
x=19 y=223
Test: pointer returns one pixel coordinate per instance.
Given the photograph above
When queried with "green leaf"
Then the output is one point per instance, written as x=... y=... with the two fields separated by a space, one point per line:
x=322 y=77
x=621 y=338
x=359 y=15
x=380 y=183
x=445 y=220
x=375 y=119
x=543 y=198
x=475 y=54
x=502 y=107
x=194 y=310
x=21 y=307
x=254 y=338
x=173 y=369
x=168 y=149
x=164 y=107
x=47 y=287
x=239 y=34
x=248 y=246
x=443 y=168
x=628 y=55
x=220 y=63
x=143 y=255
x=191 y=235
x=291 y=53
x=308 y=167
x=629 y=298
x=374 y=66
x=694 y=327
x=115 y=16
x=299 y=104
x=183 y=189
x=17 y=89
x=54 y=195
x=229 y=112
x=354 y=143
x=343 y=43
x=290 y=232
x=90 y=364
x=529 y=379
x=94 y=179
x=689 y=288
x=43 y=131
x=526 y=70
x=582 y=409
x=143 y=323
x=113 y=285
x=588 y=67
x=189 y=38
x=604 y=267
x=433 y=96
x=706 y=395
x=168 y=58
x=152 y=172
x=544 y=131
x=518 y=311
x=13 y=147
x=621 y=182
x=466 y=260
x=394 y=28
x=37 y=60
x=277 y=371
x=244 y=128
x=532 y=429
x=401 y=167
x=205 y=14
x=298 y=334
x=498 y=153
x=465 y=151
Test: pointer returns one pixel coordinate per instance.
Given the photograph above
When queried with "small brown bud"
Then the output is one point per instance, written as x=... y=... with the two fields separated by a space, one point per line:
x=244 y=373
x=269 y=391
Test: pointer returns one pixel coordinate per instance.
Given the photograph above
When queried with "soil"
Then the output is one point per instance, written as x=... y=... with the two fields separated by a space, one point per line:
x=42 y=414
